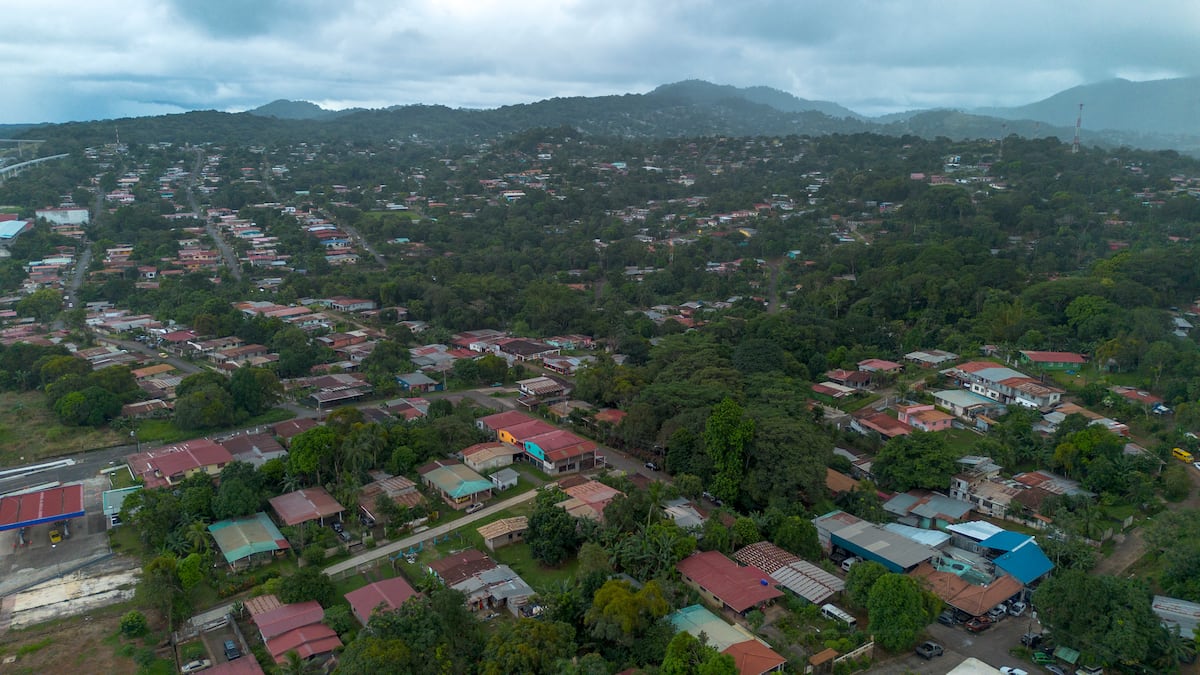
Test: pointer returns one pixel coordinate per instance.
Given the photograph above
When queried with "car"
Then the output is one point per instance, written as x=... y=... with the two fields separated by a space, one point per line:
x=1009 y=670
x=1017 y=608
x=653 y=466
x=928 y=650
x=1196 y=464
x=196 y=666
x=850 y=562
x=474 y=507
x=947 y=619
x=162 y=355
x=231 y=650
x=1031 y=640
x=998 y=612
x=55 y=536
x=979 y=624
x=367 y=521
x=337 y=527
x=344 y=535
x=1042 y=658
x=1056 y=670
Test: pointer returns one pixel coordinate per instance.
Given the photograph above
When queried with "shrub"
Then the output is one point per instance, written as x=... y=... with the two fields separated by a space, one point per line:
x=134 y=624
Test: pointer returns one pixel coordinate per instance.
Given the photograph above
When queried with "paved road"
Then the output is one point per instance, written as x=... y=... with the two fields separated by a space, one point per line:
x=408 y=542
x=180 y=364
x=227 y=254
x=990 y=646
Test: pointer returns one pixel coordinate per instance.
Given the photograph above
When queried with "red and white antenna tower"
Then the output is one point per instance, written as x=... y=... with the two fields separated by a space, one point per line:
x=1078 y=123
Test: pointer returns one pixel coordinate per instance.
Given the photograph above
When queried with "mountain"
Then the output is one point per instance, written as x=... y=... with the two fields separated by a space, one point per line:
x=298 y=110
x=1157 y=107
x=690 y=108
x=699 y=91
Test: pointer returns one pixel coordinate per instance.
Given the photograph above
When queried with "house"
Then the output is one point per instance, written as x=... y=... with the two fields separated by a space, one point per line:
x=296 y=627
x=560 y=451
x=494 y=424
x=486 y=456
x=683 y=513
x=485 y=584
x=929 y=510
x=543 y=387
x=881 y=366
x=244 y=540
x=588 y=498
x=751 y=656
x=417 y=383
x=145 y=409
x=868 y=541
x=170 y=464
x=288 y=430
x=304 y=505
x=725 y=584
x=254 y=449
x=399 y=489
x=1004 y=385
x=855 y=379
x=839 y=483
x=793 y=572
x=924 y=417
x=383 y=596
x=961 y=594
x=966 y=404
x=1176 y=612
x=930 y=358
x=458 y=484
x=503 y=532
x=504 y=479
x=1052 y=360
x=869 y=421
x=1052 y=420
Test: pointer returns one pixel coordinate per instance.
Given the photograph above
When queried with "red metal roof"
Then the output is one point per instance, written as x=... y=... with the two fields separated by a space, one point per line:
x=391 y=593
x=307 y=641
x=529 y=429
x=738 y=587
x=504 y=420
x=305 y=505
x=44 y=506
x=284 y=618
x=754 y=658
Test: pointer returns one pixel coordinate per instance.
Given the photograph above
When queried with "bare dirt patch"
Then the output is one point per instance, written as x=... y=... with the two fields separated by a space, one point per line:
x=81 y=644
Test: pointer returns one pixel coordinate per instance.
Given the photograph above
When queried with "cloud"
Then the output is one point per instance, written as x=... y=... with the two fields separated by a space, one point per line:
x=92 y=60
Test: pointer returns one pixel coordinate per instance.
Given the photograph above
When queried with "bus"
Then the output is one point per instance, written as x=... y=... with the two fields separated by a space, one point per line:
x=1182 y=455
x=835 y=613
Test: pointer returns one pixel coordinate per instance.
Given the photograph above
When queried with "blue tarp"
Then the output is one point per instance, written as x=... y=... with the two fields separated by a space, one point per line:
x=1027 y=563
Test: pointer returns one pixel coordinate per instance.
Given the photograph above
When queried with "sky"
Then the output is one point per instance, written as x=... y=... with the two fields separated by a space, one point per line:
x=65 y=60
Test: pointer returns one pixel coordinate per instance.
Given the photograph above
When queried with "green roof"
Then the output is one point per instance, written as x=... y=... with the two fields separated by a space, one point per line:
x=458 y=480
x=240 y=538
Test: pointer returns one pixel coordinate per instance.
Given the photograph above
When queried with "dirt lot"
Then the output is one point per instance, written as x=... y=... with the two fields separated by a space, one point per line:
x=77 y=645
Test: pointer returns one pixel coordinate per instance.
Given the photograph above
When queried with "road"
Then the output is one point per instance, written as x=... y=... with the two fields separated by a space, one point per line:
x=348 y=566
x=231 y=260
x=358 y=238
x=991 y=646
x=180 y=364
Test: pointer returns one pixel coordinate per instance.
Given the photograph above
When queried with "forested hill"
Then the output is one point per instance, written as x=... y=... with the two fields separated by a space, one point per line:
x=685 y=109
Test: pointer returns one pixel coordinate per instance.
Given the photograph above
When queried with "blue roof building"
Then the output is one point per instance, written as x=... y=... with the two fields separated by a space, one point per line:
x=9 y=229
x=1023 y=559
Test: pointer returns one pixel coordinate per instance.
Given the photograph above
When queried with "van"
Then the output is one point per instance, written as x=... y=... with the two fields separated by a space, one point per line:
x=835 y=613
x=850 y=562
x=1182 y=455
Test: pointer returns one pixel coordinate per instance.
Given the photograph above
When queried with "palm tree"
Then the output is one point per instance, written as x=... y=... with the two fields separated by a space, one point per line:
x=196 y=535
x=238 y=607
x=294 y=665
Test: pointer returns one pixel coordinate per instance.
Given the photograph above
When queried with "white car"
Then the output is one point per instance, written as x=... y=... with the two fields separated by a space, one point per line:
x=1008 y=670
x=474 y=507
x=196 y=666
x=1196 y=464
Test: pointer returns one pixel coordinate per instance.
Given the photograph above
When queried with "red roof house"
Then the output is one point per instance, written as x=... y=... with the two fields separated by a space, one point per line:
x=388 y=594
x=726 y=584
x=304 y=505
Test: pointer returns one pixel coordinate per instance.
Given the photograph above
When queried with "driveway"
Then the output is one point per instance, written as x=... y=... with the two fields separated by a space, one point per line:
x=990 y=646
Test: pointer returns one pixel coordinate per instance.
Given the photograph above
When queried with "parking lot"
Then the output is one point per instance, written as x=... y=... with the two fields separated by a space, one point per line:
x=40 y=559
x=991 y=646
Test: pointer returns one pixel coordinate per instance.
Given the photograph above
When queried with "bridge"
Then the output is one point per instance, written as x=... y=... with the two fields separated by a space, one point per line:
x=14 y=169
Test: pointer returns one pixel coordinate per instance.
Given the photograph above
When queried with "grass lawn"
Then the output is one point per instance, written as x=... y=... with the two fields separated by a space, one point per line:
x=961 y=439
x=165 y=431
x=121 y=478
x=541 y=578
x=857 y=403
x=30 y=431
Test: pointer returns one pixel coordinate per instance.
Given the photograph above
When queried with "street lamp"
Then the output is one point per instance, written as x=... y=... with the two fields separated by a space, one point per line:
x=133 y=435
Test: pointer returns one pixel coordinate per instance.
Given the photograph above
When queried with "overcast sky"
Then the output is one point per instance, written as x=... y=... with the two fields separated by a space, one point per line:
x=100 y=59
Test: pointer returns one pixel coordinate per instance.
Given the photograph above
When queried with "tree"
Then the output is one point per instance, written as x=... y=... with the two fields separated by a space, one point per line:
x=552 y=536
x=622 y=615
x=860 y=579
x=745 y=532
x=235 y=498
x=91 y=407
x=899 y=610
x=42 y=304
x=1108 y=617
x=799 y=536
x=688 y=485
x=919 y=460
x=163 y=589
x=254 y=390
x=528 y=646
x=208 y=407
x=726 y=435
x=687 y=655
x=308 y=583
x=1176 y=483
x=311 y=452
x=191 y=571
